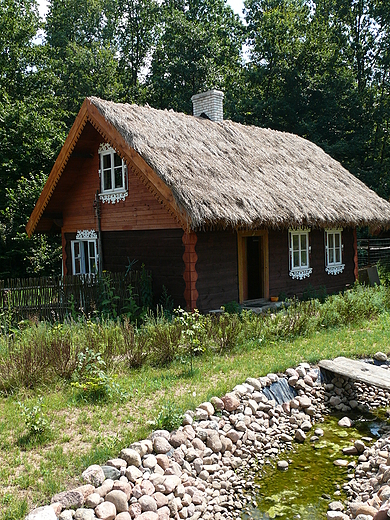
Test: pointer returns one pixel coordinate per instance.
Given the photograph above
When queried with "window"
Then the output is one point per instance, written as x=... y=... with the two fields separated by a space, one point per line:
x=112 y=175
x=334 y=251
x=84 y=253
x=299 y=253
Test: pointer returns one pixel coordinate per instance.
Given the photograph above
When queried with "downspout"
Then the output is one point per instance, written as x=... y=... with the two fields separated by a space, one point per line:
x=96 y=206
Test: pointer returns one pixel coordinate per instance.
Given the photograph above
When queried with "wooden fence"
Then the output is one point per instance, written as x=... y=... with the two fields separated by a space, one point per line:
x=371 y=250
x=55 y=297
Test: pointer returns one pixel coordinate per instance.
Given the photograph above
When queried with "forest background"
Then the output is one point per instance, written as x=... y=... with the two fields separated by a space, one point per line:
x=318 y=69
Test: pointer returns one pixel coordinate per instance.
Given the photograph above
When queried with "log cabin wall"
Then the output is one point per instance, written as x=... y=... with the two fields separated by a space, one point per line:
x=281 y=282
x=217 y=269
x=160 y=250
x=140 y=209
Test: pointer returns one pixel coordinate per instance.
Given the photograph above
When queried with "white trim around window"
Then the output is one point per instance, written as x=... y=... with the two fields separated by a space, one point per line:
x=113 y=175
x=334 y=251
x=299 y=253
x=84 y=252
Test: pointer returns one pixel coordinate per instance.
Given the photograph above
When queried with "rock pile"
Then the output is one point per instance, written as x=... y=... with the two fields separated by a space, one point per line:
x=204 y=470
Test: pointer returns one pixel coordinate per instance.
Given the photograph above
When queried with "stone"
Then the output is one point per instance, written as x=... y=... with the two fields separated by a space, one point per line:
x=345 y=422
x=230 y=402
x=336 y=506
x=213 y=441
x=300 y=435
x=147 y=503
x=161 y=499
x=94 y=475
x=111 y=472
x=161 y=445
x=365 y=509
x=148 y=515
x=117 y=463
x=123 y=486
x=42 y=513
x=350 y=450
x=132 y=457
x=135 y=510
x=93 y=500
x=282 y=465
x=68 y=514
x=105 y=511
x=177 y=438
x=336 y=515
x=133 y=473
x=119 y=499
x=304 y=401
x=57 y=507
x=69 y=499
x=162 y=461
x=341 y=462
x=208 y=407
x=217 y=403
x=360 y=446
x=123 y=516
x=254 y=382
x=147 y=487
x=380 y=356
x=170 y=483
x=105 y=488
x=84 y=514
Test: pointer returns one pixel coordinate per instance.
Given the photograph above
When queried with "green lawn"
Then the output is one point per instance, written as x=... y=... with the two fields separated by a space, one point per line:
x=31 y=471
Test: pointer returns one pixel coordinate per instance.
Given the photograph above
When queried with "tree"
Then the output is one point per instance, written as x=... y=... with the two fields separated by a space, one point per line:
x=199 y=48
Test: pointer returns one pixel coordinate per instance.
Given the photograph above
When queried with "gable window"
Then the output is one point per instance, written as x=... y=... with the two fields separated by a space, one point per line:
x=299 y=253
x=84 y=253
x=113 y=175
x=334 y=251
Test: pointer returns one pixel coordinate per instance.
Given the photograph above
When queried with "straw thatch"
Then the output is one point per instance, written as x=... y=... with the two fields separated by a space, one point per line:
x=244 y=176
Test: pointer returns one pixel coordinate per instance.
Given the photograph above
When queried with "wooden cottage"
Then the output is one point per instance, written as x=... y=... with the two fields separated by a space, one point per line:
x=218 y=211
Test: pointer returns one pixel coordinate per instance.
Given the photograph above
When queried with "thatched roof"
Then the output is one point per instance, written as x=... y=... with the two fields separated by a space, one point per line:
x=243 y=176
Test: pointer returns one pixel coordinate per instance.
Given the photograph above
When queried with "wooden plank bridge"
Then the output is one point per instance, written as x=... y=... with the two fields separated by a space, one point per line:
x=358 y=371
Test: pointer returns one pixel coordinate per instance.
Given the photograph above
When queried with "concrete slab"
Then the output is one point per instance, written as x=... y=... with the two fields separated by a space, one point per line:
x=358 y=371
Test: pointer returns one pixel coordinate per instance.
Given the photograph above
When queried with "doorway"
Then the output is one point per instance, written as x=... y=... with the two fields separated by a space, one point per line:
x=253 y=265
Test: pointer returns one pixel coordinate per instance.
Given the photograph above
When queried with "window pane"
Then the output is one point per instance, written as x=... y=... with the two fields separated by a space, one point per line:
x=107 y=162
x=330 y=240
x=76 y=249
x=338 y=255
x=331 y=256
x=304 y=258
x=295 y=259
x=295 y=239
x=118 y=178
x=303 y=241
x=77 y=266
x=92 y=266
x=337 y=239
x=117 y=160
x=107 y=185
x=92 y=249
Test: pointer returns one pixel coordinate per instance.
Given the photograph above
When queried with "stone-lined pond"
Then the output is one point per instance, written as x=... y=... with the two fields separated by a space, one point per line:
x=312 y=479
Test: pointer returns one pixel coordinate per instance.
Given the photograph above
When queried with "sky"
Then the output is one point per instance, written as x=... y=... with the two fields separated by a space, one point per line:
x=236 y=5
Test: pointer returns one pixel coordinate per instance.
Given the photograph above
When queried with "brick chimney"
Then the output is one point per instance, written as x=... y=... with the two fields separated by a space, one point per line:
x=208 y=104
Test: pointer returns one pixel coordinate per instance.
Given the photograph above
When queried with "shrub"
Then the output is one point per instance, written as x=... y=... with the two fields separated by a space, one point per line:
x=169 y=418
x=34 y=418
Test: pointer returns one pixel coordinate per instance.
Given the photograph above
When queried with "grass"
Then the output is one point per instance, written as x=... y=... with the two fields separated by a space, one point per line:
x=81 y=432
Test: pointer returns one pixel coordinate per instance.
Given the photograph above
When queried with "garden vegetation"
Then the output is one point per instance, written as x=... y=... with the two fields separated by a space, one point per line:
x=75 y=393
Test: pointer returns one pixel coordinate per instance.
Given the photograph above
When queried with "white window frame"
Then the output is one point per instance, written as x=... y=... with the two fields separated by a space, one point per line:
x=299 y=270
x=333 y=266
x=111 y=195
x=83 y=239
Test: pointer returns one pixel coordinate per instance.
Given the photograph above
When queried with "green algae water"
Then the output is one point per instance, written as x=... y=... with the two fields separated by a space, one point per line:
x=312 y=479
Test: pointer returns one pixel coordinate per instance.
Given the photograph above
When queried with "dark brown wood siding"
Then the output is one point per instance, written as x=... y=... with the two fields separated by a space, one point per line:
x=217 y=269
x=160 y=250
x=281 y=282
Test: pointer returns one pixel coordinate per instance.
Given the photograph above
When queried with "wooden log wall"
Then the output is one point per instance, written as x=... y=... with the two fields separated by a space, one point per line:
x=281 y=282
x=217 y=268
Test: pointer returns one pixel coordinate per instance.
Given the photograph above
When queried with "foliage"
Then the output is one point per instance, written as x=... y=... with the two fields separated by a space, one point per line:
x=34 y=417
x=192 y=335
x=383 y=267
x=91 y=378
x=169 y=417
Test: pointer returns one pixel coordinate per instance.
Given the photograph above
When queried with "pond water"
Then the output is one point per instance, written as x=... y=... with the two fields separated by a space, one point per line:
x=312 y=480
